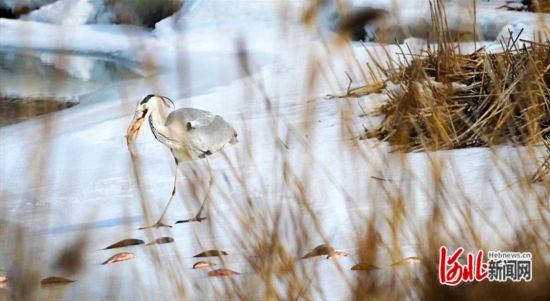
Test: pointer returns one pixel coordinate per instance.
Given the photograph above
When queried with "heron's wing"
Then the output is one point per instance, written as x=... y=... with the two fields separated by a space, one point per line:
x=201 y=130
x=187 y=117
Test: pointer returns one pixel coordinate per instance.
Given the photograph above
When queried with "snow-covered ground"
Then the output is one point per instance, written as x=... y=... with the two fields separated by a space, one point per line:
x=69 y=175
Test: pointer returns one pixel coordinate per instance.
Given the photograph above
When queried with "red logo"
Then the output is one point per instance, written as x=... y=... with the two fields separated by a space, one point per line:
x=452 y=272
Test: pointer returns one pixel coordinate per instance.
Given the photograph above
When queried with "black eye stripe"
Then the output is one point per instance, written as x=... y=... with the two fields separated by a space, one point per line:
x=146 y=99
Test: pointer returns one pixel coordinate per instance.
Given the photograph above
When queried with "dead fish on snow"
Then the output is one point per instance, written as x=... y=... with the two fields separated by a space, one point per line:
x=406 y=261
x=324 y=249
x=364 y=266
x=203 y=265
x=161 y=240
x=337 y=254
x=210 y=253
x=222 y=272
x=120 y=257
x=55 y=280
x=125 y=243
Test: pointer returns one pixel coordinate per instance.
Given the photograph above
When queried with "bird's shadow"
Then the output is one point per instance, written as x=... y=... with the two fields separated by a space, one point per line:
x=106 y=223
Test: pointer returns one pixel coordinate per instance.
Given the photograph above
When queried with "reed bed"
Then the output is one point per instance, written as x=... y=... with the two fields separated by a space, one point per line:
x=540 y=6
x=536 y=6
x=443 y=99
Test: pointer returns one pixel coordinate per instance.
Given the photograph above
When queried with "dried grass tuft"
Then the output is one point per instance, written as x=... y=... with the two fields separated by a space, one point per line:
x=448 y=100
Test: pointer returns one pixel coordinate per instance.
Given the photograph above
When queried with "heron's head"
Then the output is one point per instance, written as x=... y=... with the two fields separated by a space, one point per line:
x=145 y=106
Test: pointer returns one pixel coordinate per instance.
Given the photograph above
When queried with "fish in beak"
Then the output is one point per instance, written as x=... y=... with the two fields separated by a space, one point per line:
x=135 y=126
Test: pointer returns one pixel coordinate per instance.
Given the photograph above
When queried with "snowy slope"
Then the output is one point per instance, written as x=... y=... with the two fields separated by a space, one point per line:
x=89 y=188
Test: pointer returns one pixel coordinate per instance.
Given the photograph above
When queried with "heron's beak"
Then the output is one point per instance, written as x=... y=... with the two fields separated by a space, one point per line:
x=134 y=127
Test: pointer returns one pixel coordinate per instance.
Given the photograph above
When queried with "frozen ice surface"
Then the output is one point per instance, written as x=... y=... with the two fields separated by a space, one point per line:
x=88 y=188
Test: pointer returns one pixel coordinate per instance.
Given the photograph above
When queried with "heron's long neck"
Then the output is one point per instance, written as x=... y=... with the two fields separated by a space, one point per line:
x=157 y=121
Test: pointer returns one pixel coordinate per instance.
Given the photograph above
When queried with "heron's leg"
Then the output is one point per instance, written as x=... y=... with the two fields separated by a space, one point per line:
x=207 y=195
x=198 y=217
x=159 y=223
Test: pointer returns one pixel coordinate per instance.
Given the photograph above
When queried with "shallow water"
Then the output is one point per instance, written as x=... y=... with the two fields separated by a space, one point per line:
x=56 y=74
x=15 y=109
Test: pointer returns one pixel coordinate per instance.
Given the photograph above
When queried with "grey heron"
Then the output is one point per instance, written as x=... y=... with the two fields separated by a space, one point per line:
x=190 y=134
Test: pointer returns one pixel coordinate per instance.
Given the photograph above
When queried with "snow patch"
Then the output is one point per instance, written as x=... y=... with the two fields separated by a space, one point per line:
x=79 y=12
x=15 y=5
x=72 y=12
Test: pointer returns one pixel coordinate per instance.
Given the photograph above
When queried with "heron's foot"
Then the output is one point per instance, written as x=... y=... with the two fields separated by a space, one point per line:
x=196 y=218
x=205 y=154
x=156 y=226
